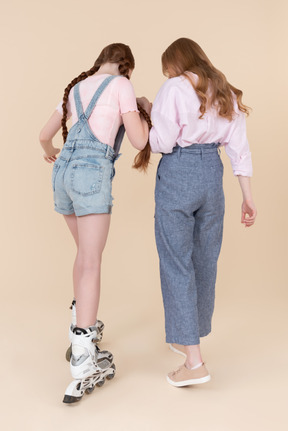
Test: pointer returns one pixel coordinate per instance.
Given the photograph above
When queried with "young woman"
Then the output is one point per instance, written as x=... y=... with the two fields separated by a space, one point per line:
x=195 y=112
x=99 y=101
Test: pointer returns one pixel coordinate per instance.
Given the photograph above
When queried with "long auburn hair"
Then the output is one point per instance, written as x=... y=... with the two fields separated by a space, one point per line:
x=185 y=55
x=114 y=53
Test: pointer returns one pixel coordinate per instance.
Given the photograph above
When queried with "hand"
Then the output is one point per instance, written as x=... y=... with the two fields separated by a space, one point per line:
x=50 y=156
x=249 y=213
x=145 y=104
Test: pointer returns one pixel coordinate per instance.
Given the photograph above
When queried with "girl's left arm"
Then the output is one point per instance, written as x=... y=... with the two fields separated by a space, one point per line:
x=248 y=209
x=240 y=156
x=48 y=132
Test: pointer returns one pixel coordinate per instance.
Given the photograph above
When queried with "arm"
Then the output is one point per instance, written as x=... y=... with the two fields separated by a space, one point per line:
x=165 y=118
x=164 y=133
x=237 y=148
x=239 y=153
x=249 y=212
x=135 y=126
x=47 y=134
x=136 y=129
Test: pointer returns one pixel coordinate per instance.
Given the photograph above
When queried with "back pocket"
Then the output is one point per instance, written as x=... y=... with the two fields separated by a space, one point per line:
x=86 y=179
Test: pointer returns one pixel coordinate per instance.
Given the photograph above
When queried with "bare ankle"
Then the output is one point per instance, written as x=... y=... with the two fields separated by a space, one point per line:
x=193 y=364
x=193 y=356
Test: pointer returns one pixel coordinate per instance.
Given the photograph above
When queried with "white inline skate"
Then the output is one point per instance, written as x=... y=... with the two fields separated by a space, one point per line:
x=89 y=367
x=99 y=328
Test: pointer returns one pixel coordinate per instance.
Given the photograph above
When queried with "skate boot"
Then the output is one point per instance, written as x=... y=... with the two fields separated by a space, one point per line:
x=99 y=327
x=89 y=367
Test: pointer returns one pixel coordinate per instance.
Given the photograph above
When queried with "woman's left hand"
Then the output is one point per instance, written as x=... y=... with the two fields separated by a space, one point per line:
x=49 y=159
x=249 y=213
x=50 y=154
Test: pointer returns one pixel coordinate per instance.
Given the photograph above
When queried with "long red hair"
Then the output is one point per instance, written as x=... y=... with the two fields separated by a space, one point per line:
x=185 y=55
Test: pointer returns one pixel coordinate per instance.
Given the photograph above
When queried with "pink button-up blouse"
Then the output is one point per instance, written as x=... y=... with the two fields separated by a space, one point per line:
x=175 y=116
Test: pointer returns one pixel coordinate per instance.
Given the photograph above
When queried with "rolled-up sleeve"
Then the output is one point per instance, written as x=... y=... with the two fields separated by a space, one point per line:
x=237 y=148
x=166 y=128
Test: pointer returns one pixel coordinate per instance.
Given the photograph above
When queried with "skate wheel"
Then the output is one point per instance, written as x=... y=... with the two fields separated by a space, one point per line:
x=69 y=353
x=90 y=390
x=100 y=383
x=99 y=338
x=112 y=375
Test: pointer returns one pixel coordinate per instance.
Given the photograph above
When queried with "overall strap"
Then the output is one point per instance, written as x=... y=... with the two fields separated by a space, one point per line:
x=77 y=99
x=118 y=140
x=97 y=94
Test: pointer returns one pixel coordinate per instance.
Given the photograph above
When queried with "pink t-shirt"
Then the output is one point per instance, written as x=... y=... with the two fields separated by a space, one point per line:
x=118 y=98
x=175 y=117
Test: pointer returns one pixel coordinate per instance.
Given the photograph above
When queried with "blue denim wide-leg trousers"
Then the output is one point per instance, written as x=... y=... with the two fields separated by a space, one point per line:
x=188 y=227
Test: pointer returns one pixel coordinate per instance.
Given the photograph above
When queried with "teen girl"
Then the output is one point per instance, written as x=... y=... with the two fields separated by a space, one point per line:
x=195 y=112
x=99 y=102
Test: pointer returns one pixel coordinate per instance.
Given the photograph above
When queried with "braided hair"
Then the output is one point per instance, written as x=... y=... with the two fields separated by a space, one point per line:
x=114 y=53
x=142 y=159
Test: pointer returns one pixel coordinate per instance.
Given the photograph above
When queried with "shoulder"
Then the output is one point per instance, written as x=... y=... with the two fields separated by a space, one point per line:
x=238 y=116
x=175 y=91
x=168 y=91
x=122 y=83
x=176 y=87
x=119 y=82
x=172 y=84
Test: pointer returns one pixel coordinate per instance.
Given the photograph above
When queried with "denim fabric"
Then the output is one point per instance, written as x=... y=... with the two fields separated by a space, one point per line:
x=188 y=227
x=82 y=179
x=82 y=175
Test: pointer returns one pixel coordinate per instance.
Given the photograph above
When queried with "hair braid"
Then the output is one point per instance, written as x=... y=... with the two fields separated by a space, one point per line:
x=124 y=67
x=142 y=159
x=67 y=90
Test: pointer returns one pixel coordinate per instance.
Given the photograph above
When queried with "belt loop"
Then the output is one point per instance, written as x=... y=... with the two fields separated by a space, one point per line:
x=179 y=152
x=201 y=151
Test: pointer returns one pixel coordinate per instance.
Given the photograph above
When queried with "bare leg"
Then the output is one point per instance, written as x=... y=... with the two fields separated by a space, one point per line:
x=92 y=235
x=71 y=221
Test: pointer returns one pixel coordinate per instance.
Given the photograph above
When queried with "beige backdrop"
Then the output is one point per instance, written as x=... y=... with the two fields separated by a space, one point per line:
x=44 y=45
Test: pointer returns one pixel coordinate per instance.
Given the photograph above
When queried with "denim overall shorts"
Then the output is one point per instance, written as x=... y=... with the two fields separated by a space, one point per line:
x=82 y=175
